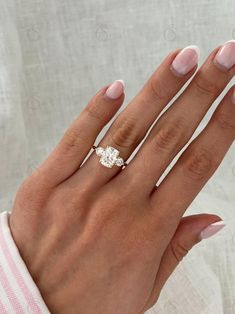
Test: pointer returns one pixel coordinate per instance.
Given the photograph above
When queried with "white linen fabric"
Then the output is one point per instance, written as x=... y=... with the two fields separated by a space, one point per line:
x=54 y=55
x=18 y=291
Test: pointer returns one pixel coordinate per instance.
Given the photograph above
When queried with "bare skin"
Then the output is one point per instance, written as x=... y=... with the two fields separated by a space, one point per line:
x=99 y=240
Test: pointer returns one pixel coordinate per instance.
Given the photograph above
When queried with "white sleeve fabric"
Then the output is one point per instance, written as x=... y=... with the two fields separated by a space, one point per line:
x=18 y=291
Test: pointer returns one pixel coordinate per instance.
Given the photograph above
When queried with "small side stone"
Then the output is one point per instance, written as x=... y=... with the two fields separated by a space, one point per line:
x=119 y=162
x=99 y=151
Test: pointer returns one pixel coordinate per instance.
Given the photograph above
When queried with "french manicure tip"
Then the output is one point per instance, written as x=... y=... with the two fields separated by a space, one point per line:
x=122 y=82
x=212 y=229
x=185 y=60
x=115 y=90
x=219 y=223
x=230 y=41
x=194 y=47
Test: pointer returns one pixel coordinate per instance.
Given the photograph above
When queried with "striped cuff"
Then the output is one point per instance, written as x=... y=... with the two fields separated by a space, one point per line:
x=18 y=291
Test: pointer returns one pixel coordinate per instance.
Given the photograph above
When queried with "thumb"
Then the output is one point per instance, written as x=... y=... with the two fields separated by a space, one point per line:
x=191 y=230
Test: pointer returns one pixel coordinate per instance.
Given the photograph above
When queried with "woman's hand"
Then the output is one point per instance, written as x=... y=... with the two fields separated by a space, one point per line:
x=101 y=240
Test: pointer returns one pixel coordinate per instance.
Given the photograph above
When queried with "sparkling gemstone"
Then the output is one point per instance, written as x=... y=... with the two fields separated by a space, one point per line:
x=99 y=151
x=109 y=156
x=119 y=162
x=106 y=162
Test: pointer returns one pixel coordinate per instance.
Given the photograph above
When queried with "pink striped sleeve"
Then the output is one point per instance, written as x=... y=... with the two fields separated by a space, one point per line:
x=18 y=291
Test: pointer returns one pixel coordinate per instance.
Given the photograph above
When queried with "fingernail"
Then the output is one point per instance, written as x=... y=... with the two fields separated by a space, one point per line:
x=115 y=90
x=225 y=57
x=186 y=60
x=212 y=229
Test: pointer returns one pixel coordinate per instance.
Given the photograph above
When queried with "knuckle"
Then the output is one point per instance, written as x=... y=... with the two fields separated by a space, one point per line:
x=178 y=250
x=170 y=135
x=205 y=86
x=32 y=193
x=200 y=164
x=225 y=121
x=74 y=139
x=125 y=133
x=159 y=90
x=93 y=109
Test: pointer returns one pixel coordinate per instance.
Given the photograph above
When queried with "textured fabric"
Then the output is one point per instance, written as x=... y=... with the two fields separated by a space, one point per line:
x=54 y=55
x=18 y=292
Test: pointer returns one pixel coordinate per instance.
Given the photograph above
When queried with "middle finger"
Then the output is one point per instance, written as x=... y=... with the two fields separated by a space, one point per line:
x=176 y=126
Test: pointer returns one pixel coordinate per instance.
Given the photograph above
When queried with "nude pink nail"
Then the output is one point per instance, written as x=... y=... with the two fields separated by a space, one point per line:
x=212 y=229
x=186 y=60
x=225 y=57
x=115 y=90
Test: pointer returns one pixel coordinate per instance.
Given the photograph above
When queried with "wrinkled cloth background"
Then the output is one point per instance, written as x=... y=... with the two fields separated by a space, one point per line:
x=54 y=55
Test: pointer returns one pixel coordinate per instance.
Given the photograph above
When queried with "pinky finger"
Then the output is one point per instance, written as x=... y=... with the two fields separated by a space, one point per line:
x=191 y=230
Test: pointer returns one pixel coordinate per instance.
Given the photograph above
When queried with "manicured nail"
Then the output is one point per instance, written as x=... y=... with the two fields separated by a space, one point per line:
x=225 y=57
x=212 y=229
x=115 y=90
x=186 y=60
